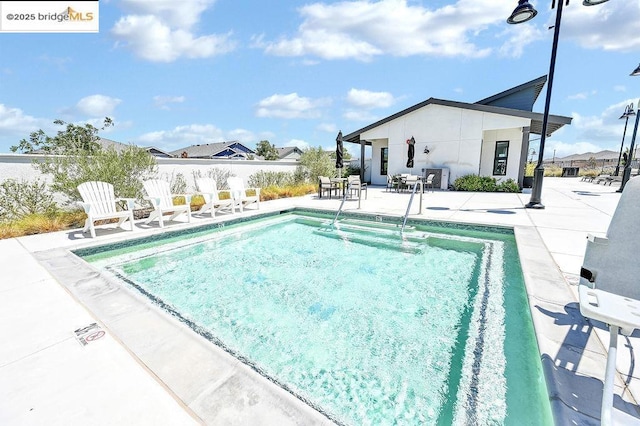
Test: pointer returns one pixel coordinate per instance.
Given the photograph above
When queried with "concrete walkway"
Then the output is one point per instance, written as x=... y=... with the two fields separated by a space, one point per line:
x=47 y=376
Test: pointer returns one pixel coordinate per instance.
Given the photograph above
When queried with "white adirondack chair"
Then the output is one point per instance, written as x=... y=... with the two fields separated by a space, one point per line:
x=99 y=203
x=161 y=198
x=239 y=193
x=208 y=188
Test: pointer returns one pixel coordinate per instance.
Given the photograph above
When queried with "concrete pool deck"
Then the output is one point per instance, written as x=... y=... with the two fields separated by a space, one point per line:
x=122 y=375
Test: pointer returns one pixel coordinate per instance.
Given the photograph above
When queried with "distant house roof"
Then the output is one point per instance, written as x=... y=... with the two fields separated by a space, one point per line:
x=103 y=142
x=491 y=105
x=157 y=152
x=233 y=149
x=287 y=151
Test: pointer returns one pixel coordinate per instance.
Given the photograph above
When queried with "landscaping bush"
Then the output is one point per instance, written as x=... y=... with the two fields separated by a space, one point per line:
x=264 y=179
x=477 y=183
x=219 y=175
x=22 y=198
x=508 y=185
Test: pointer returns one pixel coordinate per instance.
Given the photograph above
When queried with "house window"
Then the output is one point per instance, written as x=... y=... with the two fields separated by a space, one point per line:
x=500 y=158
x=384 y=160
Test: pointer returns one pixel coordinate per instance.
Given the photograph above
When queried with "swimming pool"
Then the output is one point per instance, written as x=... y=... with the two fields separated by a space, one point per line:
x=366 y=327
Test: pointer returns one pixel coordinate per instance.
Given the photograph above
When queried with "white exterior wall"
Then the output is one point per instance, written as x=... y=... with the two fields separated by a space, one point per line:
x=19 y=166
x=454 y=137
x=514 y=136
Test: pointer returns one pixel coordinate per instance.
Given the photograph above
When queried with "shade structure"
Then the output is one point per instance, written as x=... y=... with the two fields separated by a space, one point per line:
x=339 y=152
x=411 y=152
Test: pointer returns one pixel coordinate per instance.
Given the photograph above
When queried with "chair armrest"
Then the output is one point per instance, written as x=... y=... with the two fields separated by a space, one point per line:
x=131 y=202
x=155 y=201
x=187 y=197
x=85 y=206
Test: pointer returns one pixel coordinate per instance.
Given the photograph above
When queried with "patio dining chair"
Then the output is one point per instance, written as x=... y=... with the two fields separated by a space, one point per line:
x=429 y=181
x=100 y=203
x=355 y=185
x=325 y=186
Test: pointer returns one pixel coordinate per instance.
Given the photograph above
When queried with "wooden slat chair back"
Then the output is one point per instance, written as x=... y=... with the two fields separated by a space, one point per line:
x=99 y=203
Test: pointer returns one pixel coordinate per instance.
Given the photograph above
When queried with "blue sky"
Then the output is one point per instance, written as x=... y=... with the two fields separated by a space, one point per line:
x=172 y=73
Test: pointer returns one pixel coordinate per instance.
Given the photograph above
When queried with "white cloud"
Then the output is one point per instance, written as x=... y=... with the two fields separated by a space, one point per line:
x=97 y=105
x=605 y=129
x=152 y=39
x=563 y=149
x=291 y=106
x=368 y=100
x=582 y=95
x=183 y=14
x=327 y=127
x=14 y=121
x=365 y=29
x=619 y=88
x=614 y=25
x=163 y=102
x=359 y=115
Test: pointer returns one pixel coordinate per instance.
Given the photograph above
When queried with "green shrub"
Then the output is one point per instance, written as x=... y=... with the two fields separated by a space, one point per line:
x=508 y=185
x=219 y=175
x=264 y=179
x=477 y=183
x=22 y=198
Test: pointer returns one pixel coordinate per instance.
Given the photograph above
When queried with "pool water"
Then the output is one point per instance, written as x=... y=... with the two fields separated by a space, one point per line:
x=365 y=326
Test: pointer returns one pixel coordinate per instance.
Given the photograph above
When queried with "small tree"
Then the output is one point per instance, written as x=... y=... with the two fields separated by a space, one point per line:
x=80 y=158
x=74 y=139
x=267 y=150
x=22 y=198
x=316 y=162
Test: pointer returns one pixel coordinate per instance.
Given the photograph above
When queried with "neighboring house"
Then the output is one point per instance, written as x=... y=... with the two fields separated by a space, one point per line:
x=587 y=160
x=489 y=137
x=289 y=153
x=233 y=149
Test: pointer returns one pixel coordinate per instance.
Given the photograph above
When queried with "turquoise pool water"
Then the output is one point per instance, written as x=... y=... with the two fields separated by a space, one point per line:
x=365 y=326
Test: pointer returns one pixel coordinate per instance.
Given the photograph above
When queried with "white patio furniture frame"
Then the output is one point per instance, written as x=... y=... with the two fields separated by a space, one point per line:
x=161 y=198
x=239 y=193
x=99 y=203
x=208 y=188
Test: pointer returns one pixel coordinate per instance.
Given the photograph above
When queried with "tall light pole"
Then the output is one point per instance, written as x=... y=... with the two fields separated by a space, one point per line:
x=628 y=112
x=626 y=174
x=522 y=13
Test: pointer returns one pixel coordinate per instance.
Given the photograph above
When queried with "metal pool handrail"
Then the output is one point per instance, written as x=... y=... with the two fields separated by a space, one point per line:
x=404 y=221
x=344 y=198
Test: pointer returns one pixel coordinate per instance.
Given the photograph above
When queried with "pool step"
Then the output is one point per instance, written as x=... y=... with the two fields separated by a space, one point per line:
x=373 y=238
x=376 y=224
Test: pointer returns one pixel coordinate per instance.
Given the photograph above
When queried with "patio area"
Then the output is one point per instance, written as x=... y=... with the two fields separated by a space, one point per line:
x=48 y=376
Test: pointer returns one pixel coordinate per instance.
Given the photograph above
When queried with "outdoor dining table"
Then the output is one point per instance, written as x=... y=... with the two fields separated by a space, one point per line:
x=342 y=182
x=402 y=181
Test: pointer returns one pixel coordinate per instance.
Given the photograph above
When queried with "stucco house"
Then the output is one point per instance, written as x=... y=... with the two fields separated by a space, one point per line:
x=289 y=153
x=453 y=139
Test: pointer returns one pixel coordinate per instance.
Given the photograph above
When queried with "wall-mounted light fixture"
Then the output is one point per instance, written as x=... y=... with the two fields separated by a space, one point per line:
x=426 y=150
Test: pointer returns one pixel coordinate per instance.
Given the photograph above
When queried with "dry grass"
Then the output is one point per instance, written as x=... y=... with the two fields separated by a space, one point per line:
x=60 y=221
x=40 y=224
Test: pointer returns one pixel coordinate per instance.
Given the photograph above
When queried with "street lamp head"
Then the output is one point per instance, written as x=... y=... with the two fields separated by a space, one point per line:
x=636 y=71
x=522 y=13
x=593 y=2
